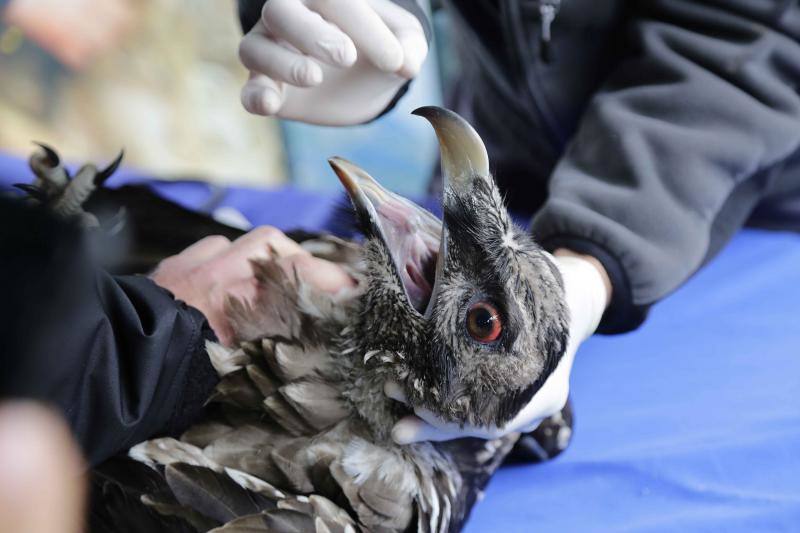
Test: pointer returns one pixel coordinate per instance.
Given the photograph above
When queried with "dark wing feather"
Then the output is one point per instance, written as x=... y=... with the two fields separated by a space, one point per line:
x=117 y=488
x=214 y=494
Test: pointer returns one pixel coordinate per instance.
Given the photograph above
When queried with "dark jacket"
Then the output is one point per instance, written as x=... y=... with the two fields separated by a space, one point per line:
x=641 y=132
x=119 y=356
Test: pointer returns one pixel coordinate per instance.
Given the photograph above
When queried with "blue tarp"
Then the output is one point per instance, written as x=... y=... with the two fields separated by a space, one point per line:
x=691 y=423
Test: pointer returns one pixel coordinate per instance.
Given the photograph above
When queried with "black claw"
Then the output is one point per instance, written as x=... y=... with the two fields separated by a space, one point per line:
x=52 y=158
x=32 y=191
x=107 y=172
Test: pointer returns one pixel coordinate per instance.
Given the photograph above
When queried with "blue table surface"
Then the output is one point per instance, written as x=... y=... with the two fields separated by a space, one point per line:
x=691 y=423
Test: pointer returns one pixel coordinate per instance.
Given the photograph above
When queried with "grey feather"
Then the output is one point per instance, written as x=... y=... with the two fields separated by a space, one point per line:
x=214 y=494
x=248 y=449
x=194 y=518
x=288 y=459
x=239 y=390
x=320 y=405
x=286 y=416
x=280 y=520
x=265 y=384
x=201 y=435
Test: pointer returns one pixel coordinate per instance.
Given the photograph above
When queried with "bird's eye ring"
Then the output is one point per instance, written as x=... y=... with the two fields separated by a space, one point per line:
x=484 y=323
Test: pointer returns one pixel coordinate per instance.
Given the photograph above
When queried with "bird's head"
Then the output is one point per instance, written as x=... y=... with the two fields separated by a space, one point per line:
x=468 y=310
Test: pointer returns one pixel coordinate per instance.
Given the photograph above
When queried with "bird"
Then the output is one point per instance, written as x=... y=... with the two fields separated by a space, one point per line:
x=465 y=314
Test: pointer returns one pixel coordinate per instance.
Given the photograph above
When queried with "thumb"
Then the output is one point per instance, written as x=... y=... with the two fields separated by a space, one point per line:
x=411 y=429
x=393 y=390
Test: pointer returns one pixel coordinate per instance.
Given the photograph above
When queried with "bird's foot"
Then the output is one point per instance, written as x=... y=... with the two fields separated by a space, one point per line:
x=64 y=194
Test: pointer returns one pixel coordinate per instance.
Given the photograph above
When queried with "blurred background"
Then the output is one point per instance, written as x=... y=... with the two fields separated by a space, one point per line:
x=161 y=79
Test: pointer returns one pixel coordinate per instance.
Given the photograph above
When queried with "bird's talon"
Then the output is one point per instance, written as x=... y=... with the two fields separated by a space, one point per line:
x=51 y=156
x=107 y=172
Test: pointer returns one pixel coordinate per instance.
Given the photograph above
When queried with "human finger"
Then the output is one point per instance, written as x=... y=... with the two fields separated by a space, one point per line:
x=408 y=30
x=307 y=31
x=204 y=249
x=393 y=390
x=260 y=53
x=319 y=273
x=411 y=429
x=262 y=95
x=264 y=242
x=372 y=38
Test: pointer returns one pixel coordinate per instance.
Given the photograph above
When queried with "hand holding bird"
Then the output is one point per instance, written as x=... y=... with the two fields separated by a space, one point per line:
x=587 y=292
x=213 y=270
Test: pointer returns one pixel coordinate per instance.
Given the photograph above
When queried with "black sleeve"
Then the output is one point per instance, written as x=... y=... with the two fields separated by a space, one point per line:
x=119 y=356
x=679 y=146
x=250 y=12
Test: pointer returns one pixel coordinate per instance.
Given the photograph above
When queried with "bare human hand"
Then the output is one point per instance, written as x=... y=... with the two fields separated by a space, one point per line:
x=214 y=268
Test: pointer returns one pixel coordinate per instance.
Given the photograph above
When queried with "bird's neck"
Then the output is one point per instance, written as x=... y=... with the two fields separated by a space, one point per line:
x=369 y=370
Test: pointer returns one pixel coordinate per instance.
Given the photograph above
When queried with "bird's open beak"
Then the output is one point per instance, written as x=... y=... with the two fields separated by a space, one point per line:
x=416 y=239
x=410 y=233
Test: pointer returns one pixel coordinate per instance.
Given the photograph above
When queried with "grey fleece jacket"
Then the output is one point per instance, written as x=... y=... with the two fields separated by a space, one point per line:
x=643 y=133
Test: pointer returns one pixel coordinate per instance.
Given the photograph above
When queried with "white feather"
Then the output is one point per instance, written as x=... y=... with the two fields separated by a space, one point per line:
x=250 y=482
x=225 y=360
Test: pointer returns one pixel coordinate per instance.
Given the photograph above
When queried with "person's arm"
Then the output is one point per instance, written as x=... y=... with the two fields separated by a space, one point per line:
x=123 y=358
x=120 y=357
x=679 y=146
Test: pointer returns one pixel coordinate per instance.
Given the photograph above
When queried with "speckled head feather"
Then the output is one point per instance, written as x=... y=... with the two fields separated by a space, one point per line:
x=425 y=277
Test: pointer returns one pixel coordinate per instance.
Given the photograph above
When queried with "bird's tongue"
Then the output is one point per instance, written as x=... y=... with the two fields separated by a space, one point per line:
x=411 y=234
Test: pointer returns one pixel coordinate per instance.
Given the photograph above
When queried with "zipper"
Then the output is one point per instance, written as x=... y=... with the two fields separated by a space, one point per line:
x=548 y=9
x=521 y=49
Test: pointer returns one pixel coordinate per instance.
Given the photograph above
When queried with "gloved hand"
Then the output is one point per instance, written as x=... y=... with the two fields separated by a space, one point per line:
x=330 y=62
x=587 y=290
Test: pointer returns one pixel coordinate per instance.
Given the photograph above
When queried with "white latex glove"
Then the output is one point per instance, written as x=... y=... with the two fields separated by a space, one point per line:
x=330 y=62
x=587 y=296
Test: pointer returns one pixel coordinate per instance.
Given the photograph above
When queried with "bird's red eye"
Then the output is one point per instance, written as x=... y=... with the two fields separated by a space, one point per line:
x=483 y=322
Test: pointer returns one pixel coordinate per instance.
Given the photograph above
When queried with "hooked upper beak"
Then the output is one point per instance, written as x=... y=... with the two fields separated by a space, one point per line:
x=415 y=238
